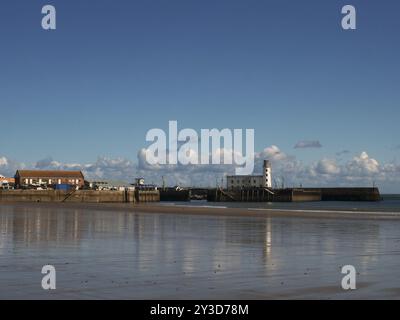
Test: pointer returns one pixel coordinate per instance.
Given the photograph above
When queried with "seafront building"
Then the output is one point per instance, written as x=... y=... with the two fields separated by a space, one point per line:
x=263 y=181
x=49 y=177
x=6 y=183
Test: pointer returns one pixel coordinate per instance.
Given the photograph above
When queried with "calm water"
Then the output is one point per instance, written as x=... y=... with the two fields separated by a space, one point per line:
x=390 y=203
x=110 y=255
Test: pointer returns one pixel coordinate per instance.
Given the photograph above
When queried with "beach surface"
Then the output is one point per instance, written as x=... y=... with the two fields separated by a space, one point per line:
x=156 y=251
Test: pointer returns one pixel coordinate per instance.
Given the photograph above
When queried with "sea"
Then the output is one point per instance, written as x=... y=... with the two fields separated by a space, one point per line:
x=390 y=203
x=116 y=254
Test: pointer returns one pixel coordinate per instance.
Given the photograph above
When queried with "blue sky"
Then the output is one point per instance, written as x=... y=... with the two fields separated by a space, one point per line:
x=115 y=69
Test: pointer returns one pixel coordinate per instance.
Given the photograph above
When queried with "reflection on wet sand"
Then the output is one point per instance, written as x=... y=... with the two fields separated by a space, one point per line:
x=106 y=254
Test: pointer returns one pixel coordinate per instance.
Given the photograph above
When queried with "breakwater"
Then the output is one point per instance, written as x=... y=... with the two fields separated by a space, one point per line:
x=348 y=194
x=213 y=195
x=172 y=194
x=294 y=195
x=90 y=196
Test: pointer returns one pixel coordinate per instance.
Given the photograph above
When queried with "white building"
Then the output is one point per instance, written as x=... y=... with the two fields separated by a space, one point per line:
x=264 y=181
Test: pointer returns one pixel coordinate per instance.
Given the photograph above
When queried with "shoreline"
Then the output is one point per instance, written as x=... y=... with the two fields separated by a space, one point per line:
x=152 y=208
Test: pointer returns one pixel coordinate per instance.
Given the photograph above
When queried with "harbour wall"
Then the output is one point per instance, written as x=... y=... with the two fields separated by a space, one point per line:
x=217 y=195
x=171 y=194
x=90 y=196
x=294 y=195
x=263 y=195
x=348 y=194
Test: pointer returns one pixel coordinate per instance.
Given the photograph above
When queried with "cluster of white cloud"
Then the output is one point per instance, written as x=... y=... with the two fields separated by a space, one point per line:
x=360 y=170
x=8 y=166
x=103 y=168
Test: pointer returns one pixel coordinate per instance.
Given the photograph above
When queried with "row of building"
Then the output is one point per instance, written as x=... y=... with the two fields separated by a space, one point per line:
x=58 y=179
x=27 y=178
x=55 y=178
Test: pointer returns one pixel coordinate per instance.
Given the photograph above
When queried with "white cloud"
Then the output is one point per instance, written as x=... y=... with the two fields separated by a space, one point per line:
x=47 y=163
x=3 y=162
x=361 y=170
x=327 y=166
x=273 y=153
x=363 y=165
x=102 y=168
x=8 y=167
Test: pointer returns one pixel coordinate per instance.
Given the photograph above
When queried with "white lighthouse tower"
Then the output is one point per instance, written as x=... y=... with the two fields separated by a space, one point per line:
x=267 y=176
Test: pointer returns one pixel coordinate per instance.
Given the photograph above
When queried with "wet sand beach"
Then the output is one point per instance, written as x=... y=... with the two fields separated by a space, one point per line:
x=117 y=251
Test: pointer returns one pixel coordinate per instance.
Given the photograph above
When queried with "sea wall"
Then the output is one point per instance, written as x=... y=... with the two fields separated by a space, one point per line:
x=147 y=196
x=171 y=194
x=348 y=194
x=90 y=196
x=294 y=195
x=301 y=195
x=262 y=195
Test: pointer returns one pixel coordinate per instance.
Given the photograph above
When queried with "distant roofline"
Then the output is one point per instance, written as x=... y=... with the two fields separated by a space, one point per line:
x=48 y=173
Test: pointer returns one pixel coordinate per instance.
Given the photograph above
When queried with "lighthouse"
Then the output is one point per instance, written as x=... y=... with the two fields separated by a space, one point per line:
x=267 y=177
